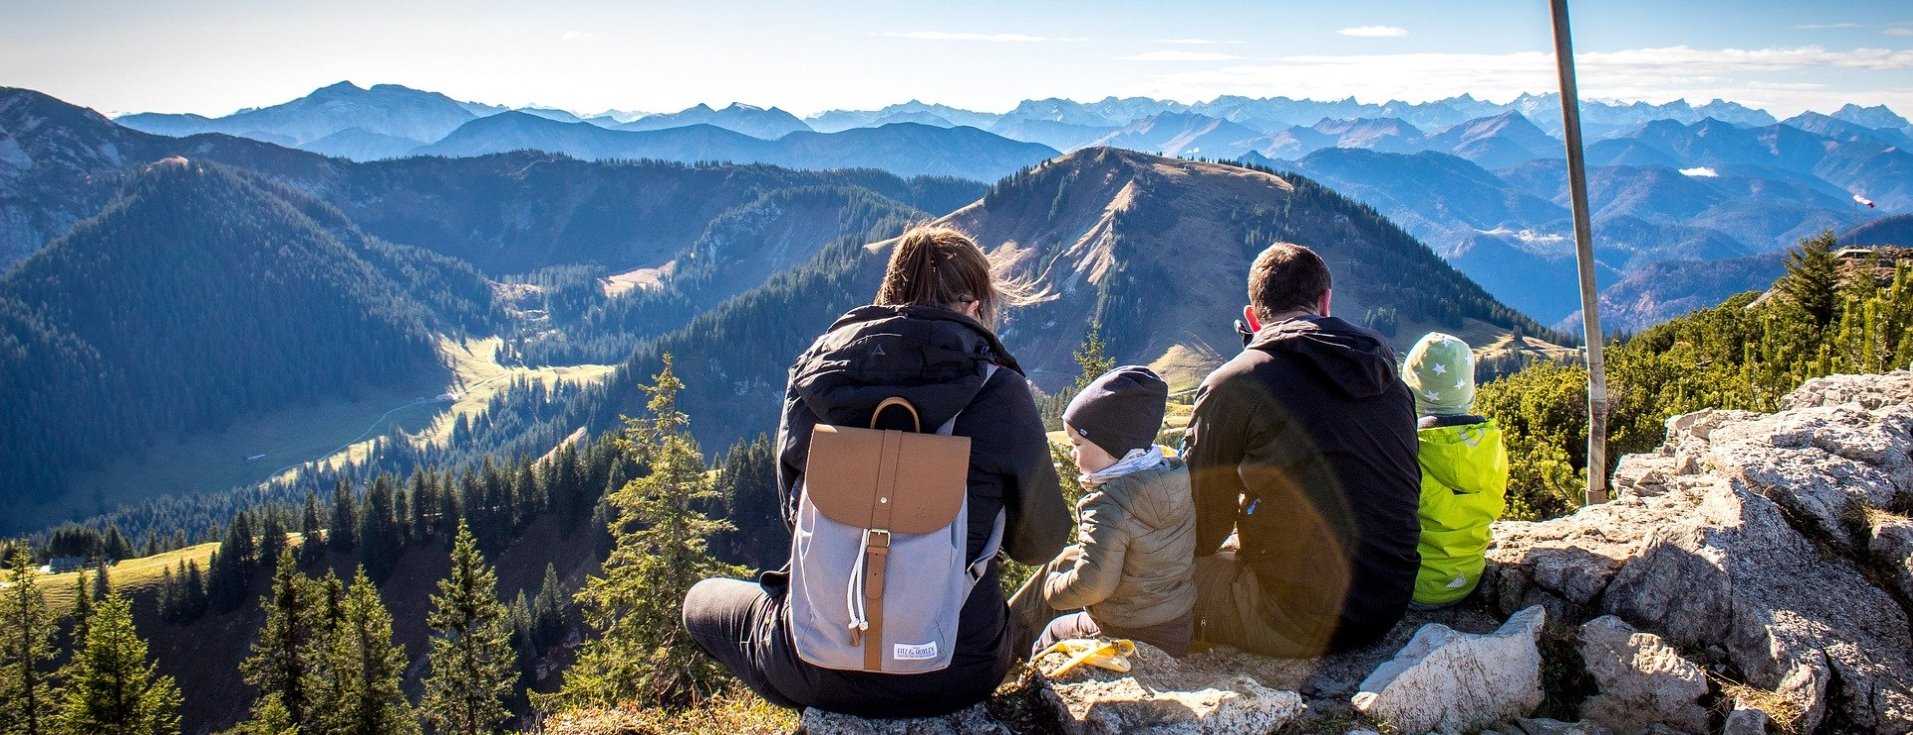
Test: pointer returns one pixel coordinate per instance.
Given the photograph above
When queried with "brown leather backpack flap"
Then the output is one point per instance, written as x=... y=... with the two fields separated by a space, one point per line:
x=892 y=480
x=931 y=479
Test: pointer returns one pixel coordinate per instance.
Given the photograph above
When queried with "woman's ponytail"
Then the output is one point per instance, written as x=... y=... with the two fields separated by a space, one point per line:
x=940 y=266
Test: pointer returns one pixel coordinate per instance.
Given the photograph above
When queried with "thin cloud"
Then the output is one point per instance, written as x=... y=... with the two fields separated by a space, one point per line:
x=991 y=37
x=1374 y=32
x=1181 y=56
x=1824 y=26
x=1652 y=74
x=1195 y=42
x=575 y=36
x=1903 y=31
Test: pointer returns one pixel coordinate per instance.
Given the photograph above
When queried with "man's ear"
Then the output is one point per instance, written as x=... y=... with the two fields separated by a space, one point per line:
x=1248 y=317
x=1326 y=297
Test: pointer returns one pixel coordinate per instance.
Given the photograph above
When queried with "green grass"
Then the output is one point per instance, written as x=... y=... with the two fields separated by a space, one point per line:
x=127 y=577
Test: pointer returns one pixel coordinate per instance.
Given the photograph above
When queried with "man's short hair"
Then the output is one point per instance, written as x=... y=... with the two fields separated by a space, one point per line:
x=1287 y=277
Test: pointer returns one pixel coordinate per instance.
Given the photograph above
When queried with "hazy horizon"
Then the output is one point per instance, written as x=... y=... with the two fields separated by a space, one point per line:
x=213 y=57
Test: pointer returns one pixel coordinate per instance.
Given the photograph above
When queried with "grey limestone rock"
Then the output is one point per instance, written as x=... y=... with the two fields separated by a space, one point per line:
x=973 y=721
x=1643 y=681
x=1459 y=682
x=1163 y=695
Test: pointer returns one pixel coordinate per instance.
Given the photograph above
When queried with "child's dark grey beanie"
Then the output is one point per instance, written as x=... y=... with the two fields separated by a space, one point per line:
x=1120 y=410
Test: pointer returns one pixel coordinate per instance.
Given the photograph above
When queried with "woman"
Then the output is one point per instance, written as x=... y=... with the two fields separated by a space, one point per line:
x=929 y=339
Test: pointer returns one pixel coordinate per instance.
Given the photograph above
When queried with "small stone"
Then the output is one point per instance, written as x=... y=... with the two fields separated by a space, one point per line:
x=1644 y=474
x=1746 y=722
x=1545 y=726
x=973 y=721
x=1457 y=683
x=1891 y=546
x=1642 y=680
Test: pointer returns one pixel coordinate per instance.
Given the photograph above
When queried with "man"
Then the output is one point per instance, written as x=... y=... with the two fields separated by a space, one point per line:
x=1303 y=447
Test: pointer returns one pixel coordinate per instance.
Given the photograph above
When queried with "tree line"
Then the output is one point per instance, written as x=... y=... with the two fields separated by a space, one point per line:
x=1824 y=316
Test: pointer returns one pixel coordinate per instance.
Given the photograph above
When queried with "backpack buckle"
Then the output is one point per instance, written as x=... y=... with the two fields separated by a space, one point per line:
x=870 y=539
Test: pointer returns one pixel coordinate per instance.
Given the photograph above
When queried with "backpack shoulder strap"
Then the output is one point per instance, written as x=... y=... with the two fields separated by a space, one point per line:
x=994 y=544
x=989 y=371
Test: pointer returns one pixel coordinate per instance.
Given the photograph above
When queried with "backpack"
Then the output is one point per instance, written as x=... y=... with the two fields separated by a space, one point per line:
x=878 y=571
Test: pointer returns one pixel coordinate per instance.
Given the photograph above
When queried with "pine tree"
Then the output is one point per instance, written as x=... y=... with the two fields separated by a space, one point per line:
x=341 y=532
x=359 y=693
x=448 y=510
x=282 y=662
x=311 y=533
x=82 y=609
x=194 y=595
x=1813 y=278
x=642 y=654
x=232 y=566
x=272 y=537
x=471 y=659
x=102 y=584
x=26 y=649
x=111 y=686
x=522 y=642
x=548 y=611
x=169 y=588
x=1092 y=357
x=424 y=503
x=380 y=540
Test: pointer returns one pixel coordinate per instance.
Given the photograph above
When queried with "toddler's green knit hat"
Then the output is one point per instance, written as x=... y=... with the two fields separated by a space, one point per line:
x=1441 y=374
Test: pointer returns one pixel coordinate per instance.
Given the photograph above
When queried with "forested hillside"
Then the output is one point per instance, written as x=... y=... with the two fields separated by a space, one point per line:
x=195 y=297
x=158 y=355
x=1153 y=249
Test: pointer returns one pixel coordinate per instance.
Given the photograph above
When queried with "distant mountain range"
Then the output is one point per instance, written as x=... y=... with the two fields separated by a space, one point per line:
x=1673 y=182
x=906 y=149
x=1484 y=197
x=1154 y=249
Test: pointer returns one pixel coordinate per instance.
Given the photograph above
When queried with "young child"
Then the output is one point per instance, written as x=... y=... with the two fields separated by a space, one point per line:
x=1464 y=470
x=1131 y=565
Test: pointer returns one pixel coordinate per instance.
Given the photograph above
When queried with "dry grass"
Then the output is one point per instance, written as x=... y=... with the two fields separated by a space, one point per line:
x=1784 y=711
x=735 y=713
x=127 y=577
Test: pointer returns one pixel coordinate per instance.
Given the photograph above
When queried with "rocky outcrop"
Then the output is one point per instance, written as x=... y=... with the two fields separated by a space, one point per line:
x=1643 y=681
x=1163 y=695
x=1454 y=682
x=973 y=721
x=1766 y=545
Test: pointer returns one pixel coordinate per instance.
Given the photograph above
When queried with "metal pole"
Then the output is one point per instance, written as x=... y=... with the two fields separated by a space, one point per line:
x=1583 y=257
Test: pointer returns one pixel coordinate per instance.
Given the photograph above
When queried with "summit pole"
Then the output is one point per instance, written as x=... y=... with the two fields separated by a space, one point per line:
x=1583 y=257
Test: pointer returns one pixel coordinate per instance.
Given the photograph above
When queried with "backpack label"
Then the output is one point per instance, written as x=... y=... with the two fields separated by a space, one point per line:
x=919 y=652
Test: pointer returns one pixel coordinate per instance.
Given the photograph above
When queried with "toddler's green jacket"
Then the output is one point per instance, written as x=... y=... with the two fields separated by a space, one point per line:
x=1464 y=481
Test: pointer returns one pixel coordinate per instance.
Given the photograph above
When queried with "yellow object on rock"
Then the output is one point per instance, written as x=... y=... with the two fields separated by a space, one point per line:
x=1110 y=655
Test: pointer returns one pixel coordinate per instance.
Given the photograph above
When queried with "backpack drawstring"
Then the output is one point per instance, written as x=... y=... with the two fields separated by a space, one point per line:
x=854 y=594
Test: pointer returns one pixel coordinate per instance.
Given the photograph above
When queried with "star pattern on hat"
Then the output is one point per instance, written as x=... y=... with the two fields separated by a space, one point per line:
x=1433 y=396
x=1441 y=369
x=1461 y=385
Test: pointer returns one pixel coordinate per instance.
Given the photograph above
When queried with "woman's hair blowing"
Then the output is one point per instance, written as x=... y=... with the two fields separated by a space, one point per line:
x=940 y=266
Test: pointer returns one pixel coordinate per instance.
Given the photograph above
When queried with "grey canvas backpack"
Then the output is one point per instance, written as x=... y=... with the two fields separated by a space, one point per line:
x=878 y=565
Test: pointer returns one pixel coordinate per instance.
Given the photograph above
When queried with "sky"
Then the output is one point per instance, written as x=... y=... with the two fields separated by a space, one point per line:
x=216 y=56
